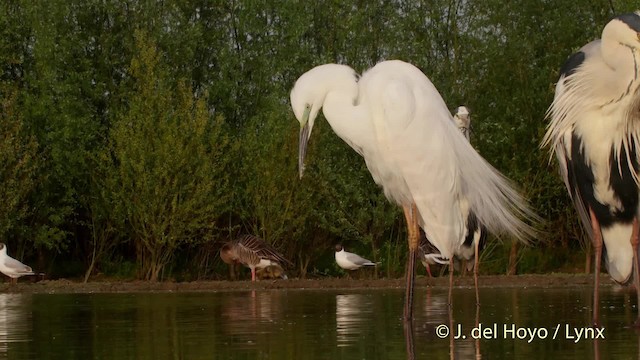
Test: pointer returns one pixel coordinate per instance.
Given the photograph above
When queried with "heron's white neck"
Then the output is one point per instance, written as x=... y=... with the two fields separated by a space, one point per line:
x=622 y=59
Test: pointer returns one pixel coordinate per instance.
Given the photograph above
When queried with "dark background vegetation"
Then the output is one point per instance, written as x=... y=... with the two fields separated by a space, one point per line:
x=137 y=136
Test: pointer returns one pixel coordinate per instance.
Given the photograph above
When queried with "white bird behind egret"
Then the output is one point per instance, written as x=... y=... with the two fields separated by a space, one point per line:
x=429 y=254
x=351 y=261
x=12 y=267
x=395 y=118
x=595 y=133
x=462 y=119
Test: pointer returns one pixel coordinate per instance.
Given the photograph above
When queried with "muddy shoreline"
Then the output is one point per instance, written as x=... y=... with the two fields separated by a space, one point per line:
x=488 y=281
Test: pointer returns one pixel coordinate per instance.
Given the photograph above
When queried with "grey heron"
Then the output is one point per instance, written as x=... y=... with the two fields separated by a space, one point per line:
x=594 y=131
x=394 y=117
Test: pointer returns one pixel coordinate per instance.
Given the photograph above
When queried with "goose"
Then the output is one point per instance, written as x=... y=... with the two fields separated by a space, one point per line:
x=252 y=252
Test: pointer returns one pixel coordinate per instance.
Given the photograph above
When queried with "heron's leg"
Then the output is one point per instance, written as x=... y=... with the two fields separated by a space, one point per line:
x=636 y=269
x=476 y=264
x=597 y=245
x=413 y=231
x=451 y=281
x=408 y=339
x=463 y=267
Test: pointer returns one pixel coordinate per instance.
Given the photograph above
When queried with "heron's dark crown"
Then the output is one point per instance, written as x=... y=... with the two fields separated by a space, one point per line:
x=631 y=19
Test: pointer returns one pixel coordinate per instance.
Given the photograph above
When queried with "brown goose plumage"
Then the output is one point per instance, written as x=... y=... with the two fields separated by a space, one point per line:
x=252 y=252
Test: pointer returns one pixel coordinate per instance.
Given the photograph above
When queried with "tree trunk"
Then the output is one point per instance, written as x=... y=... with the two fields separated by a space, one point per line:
x=92 y=264
x=304 y=265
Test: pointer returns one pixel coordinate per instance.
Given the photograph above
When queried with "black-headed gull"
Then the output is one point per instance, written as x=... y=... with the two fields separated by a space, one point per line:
x=351 y=261
x=12 y=267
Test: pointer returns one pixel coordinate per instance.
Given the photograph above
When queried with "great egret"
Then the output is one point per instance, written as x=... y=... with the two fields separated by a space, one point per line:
x=395 y=118
x=475 y=234
x=12 y=267
x=252 y=252
x=594 y=132
x=427 y=252
x=350 y=261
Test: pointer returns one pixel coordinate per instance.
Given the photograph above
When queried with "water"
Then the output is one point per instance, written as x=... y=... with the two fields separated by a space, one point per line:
x=312 y=324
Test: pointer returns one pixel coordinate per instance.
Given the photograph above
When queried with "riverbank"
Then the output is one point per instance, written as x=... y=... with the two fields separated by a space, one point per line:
x=493 y=281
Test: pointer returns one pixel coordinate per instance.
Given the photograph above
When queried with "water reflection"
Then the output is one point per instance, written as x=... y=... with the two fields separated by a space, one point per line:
x=246 y=315
x=14 y=319
x=408 y=339
x=437 y=312
x=436 y=307
x=353 y=315
x=313 y=324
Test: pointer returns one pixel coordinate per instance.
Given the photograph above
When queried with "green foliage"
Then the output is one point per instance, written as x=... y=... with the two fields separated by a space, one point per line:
x=167 y=162
x=18 y=167
x=131 y=132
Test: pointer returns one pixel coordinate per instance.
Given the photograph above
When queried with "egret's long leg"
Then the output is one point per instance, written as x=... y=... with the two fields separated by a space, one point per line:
x=476 y=264
x=597 y=244
x=413 y=231
x=636 y=269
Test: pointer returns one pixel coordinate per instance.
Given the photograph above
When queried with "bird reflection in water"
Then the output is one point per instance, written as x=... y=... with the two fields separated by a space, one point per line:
x=353 y=313
x=438 y=311
x=243 y=313
x=14 y=319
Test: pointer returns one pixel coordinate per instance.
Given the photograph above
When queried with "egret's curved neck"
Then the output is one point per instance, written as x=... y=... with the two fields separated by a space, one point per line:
x=349 y=119
x=338 y=105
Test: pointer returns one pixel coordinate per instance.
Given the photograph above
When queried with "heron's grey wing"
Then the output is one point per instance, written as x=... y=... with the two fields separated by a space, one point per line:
x=17 y=266
x=357 y=259
x=563 y=133
x=425 y=245
x=563 y=152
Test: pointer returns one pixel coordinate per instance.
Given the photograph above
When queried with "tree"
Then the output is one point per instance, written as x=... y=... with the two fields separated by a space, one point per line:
x=166 y=163
x=18 y=167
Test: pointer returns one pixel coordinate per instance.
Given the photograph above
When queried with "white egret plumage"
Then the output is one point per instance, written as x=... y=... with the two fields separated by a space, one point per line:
x=475 y=235
x=395 y=118
x=594 y=131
